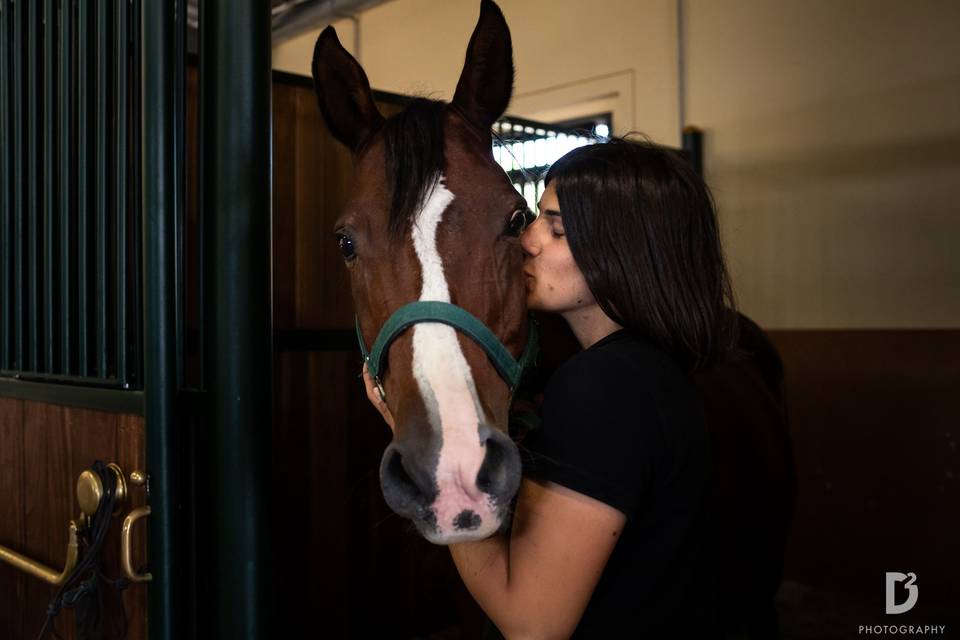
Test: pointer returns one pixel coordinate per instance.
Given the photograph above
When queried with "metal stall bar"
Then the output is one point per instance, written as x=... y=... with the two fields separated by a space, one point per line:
x=160 y=212
x=65 y=153
x=693 y=147
x=84 y=47
x=16 y=121
x=135 y=191
x=102 y=167
x=49 y=106
x=33 y=166
x=180 y=116
x=235 y=156
x=6 y=308
x=121 y=204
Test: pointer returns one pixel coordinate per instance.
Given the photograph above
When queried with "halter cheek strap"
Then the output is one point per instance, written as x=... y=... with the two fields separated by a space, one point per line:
x=435 y=311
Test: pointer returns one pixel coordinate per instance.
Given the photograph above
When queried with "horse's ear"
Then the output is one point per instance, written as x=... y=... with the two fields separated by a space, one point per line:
x=343 y=92
x=486 y=81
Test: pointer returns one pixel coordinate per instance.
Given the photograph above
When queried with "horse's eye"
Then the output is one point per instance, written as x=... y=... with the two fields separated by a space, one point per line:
x=518 y=222
x=346 y=247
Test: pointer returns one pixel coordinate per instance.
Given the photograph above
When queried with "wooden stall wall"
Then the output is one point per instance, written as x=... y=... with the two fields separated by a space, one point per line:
x=875 y=431
x=347 y=562
x=43 y=449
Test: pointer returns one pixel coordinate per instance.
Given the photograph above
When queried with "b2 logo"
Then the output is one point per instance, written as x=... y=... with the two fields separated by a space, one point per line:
x=913 y=592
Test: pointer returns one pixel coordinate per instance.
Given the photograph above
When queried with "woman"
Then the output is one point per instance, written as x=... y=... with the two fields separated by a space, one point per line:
x=611 y=534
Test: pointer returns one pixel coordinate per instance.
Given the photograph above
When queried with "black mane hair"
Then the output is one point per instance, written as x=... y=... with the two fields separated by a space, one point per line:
x=413 y=151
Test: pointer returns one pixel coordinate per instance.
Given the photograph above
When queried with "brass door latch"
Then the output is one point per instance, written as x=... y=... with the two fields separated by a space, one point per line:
x=137 y=478
x=89 y=495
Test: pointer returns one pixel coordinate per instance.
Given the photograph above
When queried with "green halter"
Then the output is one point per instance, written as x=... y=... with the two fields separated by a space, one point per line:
x=434 y=311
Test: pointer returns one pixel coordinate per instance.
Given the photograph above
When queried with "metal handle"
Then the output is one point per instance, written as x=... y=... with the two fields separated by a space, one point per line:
x=125 y=555
x=38 y=570
x=89 y=494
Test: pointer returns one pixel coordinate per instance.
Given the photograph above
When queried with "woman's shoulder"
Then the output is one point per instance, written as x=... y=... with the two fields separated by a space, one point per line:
x=621 y=358
x=619 y=413
x=625 y=378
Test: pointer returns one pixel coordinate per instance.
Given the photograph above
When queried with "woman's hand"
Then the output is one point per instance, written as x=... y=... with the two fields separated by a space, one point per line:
x=373 y=395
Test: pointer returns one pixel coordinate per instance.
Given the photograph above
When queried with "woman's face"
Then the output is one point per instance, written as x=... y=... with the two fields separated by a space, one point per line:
x=554 y=281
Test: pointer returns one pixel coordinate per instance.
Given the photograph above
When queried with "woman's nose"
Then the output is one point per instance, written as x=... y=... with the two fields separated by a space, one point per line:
x=528 y=241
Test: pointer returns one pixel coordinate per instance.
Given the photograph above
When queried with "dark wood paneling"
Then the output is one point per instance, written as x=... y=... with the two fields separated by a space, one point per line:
x=324 y=176
x=43 y=449
x=47 y=505
x=875 y=432
x=311 y=457
x=312 y=181
x=345 y=555
x=312 y=174
x=12 y=582
x=284 y=207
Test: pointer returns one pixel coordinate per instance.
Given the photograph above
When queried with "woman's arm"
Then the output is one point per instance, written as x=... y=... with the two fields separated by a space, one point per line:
x=537 y=582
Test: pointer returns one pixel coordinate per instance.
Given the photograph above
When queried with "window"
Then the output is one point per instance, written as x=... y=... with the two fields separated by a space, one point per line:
x=526 y=149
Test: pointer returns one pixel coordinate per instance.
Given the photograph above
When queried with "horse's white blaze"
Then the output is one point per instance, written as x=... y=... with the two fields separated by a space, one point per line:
x=446 y=384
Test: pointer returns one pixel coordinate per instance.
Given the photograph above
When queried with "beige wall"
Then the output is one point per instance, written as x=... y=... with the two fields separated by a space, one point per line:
x=833 y=128
x=833 y=147
x=567 y=64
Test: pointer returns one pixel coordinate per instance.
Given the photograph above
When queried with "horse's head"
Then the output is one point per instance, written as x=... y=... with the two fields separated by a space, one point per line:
x=434 y=218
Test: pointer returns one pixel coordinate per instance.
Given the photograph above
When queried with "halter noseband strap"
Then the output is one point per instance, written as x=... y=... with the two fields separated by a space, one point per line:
x=435 y=311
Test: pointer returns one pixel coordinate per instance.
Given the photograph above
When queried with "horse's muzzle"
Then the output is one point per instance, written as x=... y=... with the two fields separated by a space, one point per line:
x=452 y=504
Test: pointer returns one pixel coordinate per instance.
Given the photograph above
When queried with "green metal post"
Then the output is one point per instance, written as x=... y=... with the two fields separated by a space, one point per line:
x=235 y=155
x=49 y=203
x=16 y=42
x=33 y=168
x=103 y=167
x=83 y=186
x=121 y=203
x=6 y=308
x=66 y=100
x=180 y=180
x=693 y=146
x=160 y=211
x=136 y=197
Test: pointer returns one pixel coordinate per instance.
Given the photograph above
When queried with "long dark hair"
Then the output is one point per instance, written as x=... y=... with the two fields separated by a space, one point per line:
x=642 y=227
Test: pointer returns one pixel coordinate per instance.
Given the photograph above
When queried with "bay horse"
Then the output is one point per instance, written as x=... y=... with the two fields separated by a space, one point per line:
x=430 y=238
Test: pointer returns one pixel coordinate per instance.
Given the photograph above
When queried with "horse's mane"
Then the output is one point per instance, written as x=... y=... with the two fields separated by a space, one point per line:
x=413 y=150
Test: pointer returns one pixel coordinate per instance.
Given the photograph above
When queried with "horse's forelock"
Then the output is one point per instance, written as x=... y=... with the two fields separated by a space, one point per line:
x=413 y=153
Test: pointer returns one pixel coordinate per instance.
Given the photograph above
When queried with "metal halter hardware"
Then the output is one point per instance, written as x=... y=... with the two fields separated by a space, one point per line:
x=450 y=314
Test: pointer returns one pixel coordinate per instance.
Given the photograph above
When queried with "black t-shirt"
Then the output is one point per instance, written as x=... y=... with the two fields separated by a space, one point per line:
x=621 y=423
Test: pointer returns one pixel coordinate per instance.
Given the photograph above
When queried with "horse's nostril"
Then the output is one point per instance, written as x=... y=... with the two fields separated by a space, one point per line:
x=407 y=487
x=466 y=521
x=499 y=475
